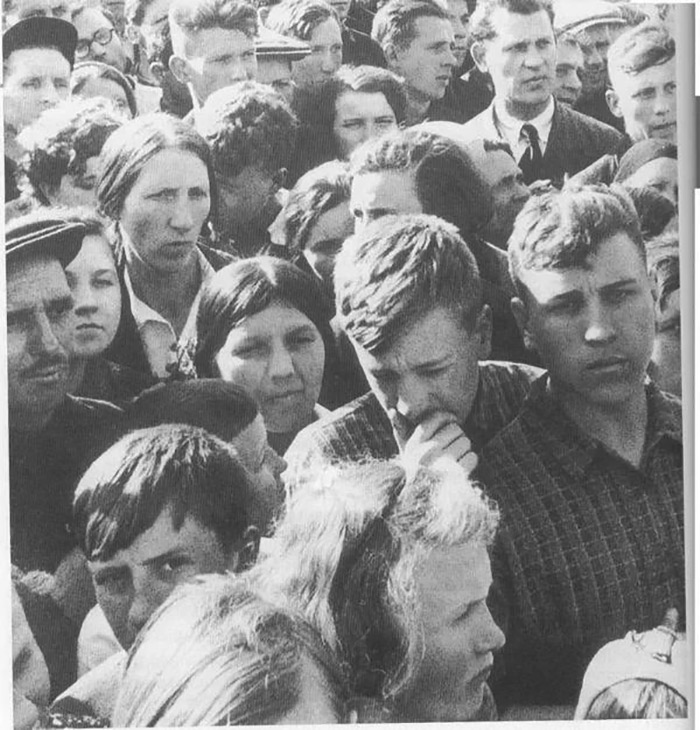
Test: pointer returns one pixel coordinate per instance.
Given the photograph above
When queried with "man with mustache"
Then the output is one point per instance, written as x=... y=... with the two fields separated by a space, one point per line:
x=514 y=42
x=589 y=475
x=51 y=433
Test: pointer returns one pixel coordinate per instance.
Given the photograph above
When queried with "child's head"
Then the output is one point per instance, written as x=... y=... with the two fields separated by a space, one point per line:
x=158 y=507
x=643 y=676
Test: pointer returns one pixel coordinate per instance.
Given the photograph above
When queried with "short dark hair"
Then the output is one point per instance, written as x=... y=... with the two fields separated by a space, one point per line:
x=316 y=106
x=60 y=142
x=193 y=16
x=299 y=18
x=398 y=269
x=245 y=288
x=315 y=193
x=221 y=408
x=641 y=47
x=562 y=229
x=481 y=27
x=184 y=468
x=394 y=25
x=248 y=124
x=447 y=182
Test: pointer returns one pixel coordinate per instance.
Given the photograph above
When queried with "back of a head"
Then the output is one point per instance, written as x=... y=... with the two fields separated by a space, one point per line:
x=248 y=124
x=299 y=18
x=643 y=46
x=347 y=553
x=218 y=653
x=394 y=24
x=481 y=26
x=397 y=270
x=191 y=16
x=447 y=182
x=179 y=467
x=218 y=407
x=562 y=229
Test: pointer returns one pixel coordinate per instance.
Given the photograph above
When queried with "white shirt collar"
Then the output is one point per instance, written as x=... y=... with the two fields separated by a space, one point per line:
x=510 y=128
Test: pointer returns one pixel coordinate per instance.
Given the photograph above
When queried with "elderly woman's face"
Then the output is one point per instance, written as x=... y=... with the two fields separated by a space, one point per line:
x=165 y=209
x=277 y=357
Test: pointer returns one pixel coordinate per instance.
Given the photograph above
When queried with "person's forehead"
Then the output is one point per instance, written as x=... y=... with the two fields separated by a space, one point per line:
x=568 y=53
x=90 y=20
x=38 y=59
x=658 y=74
x=273 y=68
x=46 y=275
x=603 y=32
x=216 y=41
x=328 y=31
x=275 y=320
x=368 y=103
x=513 y=27
x=662 y=168
x=429 y=29
x=396 y=186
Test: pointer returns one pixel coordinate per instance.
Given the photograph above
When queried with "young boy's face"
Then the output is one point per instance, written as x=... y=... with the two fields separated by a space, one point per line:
x=593 y=327
x=646 y=101
x=136 y=580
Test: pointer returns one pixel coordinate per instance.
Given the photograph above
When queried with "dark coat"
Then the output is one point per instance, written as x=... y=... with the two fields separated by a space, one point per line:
x=575 y=141
x=126 y=348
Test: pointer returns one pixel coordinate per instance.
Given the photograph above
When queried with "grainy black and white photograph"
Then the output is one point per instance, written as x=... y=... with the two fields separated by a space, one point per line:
x=342 y=375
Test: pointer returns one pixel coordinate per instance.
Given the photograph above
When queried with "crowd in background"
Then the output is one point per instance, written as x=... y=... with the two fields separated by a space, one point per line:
x=344 y=361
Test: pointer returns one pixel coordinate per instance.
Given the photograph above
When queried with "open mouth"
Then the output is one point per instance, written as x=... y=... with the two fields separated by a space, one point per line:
x=48 y=375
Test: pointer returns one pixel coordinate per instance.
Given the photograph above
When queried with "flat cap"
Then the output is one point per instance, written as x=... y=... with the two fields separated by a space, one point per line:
x=51 y=236
x=573 y=16
x=269 y=44
x=41 y=32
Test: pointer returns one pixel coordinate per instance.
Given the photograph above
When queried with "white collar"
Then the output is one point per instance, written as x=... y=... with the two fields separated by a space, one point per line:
x=512 y=126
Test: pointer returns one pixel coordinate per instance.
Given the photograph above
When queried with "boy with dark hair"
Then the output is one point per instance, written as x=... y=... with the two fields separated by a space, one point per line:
x=213 y=44
x=642 y=69
x=408 y=296
x=160 y=506
x=251 y=132
x=595 y=442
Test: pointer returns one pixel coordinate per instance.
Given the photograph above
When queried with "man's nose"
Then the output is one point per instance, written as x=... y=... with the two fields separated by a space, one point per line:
x=600 y=328
x=412 y=400
x=281 y=364
x=238 y=71
x=328 y=62
x=44 y=338
x=490 y=638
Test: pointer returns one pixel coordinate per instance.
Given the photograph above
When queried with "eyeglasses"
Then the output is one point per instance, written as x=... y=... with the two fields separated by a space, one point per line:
x=102 y=36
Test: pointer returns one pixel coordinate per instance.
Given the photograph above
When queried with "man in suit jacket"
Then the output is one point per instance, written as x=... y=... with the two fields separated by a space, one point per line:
x=517 y=48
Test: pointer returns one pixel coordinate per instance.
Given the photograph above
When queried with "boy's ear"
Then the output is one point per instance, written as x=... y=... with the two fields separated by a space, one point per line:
x=519 y=310
x=249 y=550
x=613 y=101
x=478 y=51
x=180 y=69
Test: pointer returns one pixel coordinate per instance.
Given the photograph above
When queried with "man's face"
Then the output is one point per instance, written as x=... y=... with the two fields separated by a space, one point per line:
x=508 y=191
x=276 y=72
x=378 y=194
x=569 y=68
x=459 y=636
x=427 y=63
x=36 y=79
x=245 y=199
x=431 y=367
x=646 y=101
x=136 y=580
x=42 y=9
x=216 y=58
x=595 y=43
x=90 y=22
x=660 y=174
x=593 y=327
x=325 y=58
x=521 y=60
x=40 y=326
x=459 y=12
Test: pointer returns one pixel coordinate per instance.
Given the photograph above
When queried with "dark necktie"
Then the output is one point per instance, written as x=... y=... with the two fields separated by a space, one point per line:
x=531 y=161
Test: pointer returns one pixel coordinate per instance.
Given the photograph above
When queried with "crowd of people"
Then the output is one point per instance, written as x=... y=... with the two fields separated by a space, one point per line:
x=344 y=361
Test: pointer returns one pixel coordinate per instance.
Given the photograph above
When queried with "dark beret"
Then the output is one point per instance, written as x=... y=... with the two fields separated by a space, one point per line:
x=47 y=236
x=41 y=32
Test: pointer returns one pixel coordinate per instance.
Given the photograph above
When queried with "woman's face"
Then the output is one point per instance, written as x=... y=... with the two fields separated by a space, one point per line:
x=325 y=58
x=107 y=89
x=360 y=116
x=92 y=278
x=165 y=209
x=266 y=468
x=277 y=357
